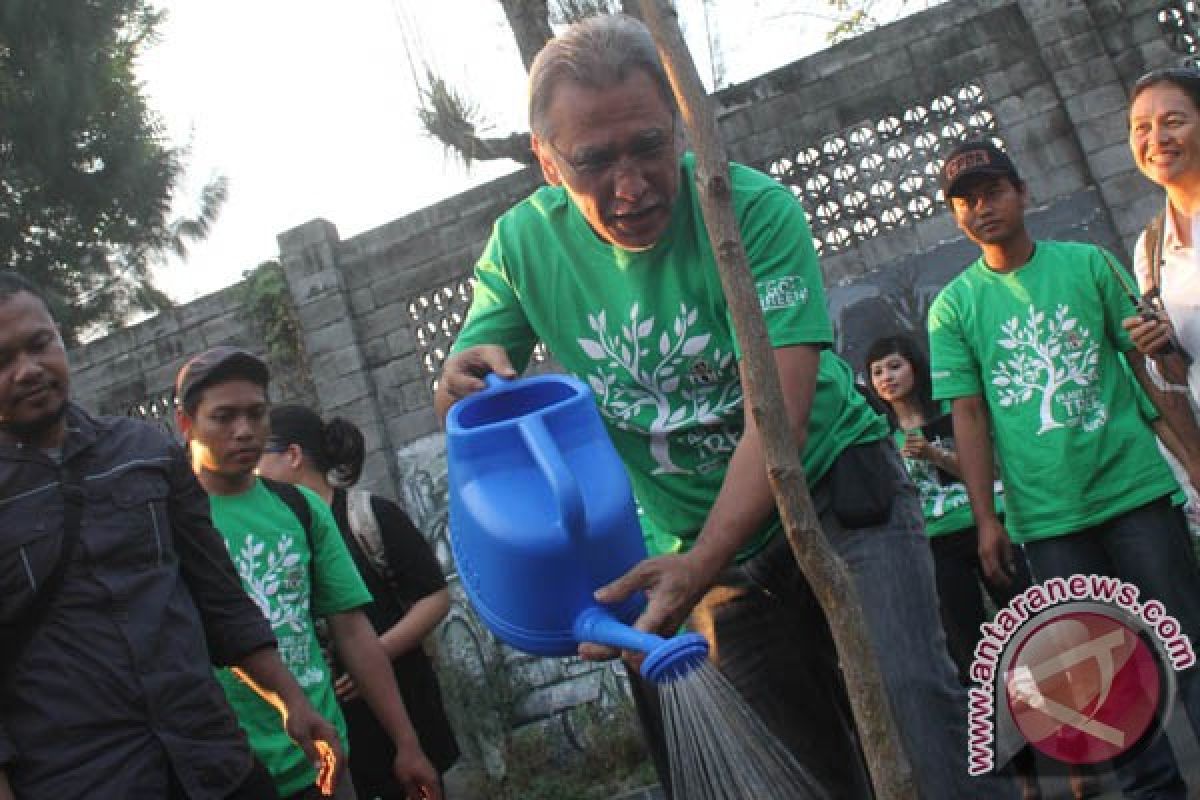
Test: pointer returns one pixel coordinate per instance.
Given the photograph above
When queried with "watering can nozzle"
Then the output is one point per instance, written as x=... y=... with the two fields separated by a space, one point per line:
x=666 y=659
x=675 y=657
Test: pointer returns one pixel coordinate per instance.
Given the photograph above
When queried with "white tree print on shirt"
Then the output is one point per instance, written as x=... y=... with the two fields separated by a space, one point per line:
x=655 y=363
x=1045 y=363
x=278 y=584
x=273 y=582
x=941 y=498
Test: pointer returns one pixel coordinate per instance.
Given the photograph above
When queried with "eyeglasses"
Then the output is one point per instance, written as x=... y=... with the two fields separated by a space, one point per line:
x=1170 y=74
x=650 y=148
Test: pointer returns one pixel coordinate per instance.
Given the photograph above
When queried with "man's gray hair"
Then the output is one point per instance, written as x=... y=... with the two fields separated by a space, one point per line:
x=598 y=52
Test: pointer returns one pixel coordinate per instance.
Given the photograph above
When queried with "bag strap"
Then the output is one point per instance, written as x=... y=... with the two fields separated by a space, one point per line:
x=1154 y=233
x=294 y=499
x=296 y=503
x=19 y=635
x=364 y=526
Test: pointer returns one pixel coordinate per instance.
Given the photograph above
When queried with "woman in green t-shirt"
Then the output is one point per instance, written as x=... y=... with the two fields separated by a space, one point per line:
x=922 y=429
x=900 y=386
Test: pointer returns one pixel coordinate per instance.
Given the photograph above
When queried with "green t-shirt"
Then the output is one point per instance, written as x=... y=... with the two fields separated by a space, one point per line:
x=651 y=332
x=944 y=501
x=1043 y=346
x=270 y=549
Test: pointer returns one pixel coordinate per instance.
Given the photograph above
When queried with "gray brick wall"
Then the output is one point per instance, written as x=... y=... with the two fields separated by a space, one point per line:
x=378 y=310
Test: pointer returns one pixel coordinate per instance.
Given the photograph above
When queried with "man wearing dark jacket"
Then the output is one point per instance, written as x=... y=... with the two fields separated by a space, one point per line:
x=116 y=597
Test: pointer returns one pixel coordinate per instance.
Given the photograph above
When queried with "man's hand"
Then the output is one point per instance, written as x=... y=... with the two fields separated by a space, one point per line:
x=6 y=792
x=319 y=741
x=463 y=374
x=996 y=553
x=1150 y=336
x=264 y=672
x=413 y=771
x=673 y=585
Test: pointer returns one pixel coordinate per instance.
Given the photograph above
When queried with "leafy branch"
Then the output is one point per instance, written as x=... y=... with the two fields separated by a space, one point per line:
x=267 y=306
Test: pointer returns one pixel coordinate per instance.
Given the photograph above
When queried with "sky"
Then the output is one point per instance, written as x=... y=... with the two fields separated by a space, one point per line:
x=308 y=106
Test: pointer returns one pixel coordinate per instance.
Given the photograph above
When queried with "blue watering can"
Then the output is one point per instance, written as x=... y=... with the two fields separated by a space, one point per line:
x=542 y=515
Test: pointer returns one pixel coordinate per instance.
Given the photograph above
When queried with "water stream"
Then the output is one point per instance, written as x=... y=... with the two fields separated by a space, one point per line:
x=718 y=747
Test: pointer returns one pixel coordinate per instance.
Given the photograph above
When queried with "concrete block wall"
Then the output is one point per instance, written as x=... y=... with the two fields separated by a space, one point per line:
x=138 y=364
x=378 y=310
x=353 y=301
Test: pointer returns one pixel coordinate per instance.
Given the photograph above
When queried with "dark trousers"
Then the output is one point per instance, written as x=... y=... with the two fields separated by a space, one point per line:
x=770 y=640
x=774 y=645
x=959 y=574
x=1150 y=548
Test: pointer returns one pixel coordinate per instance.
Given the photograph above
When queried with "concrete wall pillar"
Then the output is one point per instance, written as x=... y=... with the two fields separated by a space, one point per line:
x=337 y=364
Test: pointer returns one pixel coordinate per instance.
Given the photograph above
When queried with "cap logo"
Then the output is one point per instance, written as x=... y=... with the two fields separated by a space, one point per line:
x=965 y=161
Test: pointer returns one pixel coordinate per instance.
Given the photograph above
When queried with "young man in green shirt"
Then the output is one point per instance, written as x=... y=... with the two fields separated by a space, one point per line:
x=1027 y=341
x=610 y=266
x=296 y=570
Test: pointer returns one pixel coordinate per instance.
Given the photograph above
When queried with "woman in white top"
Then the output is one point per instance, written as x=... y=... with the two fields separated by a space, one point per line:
x=1164 y=135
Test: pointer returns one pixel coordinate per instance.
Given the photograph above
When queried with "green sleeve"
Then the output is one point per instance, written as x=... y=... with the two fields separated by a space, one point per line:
x=1113 y=297
x=954 y=368
x=496 y=316
x=787 y=276
x=337 y=585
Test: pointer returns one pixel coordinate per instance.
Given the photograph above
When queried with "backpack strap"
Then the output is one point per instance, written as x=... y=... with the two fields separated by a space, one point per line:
x=294 y=499
x=364 y=526
x=296 y=502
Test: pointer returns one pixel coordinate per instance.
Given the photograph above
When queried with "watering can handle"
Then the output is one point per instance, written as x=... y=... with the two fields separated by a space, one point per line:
x=494 y=381
x=562 y=483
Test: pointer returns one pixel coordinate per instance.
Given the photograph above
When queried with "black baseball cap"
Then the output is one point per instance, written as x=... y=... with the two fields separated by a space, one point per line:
x=974 y=158
x=215 y=365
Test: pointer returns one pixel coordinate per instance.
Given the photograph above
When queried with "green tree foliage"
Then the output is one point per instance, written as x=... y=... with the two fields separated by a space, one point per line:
x=856 y=17
x=86 y=174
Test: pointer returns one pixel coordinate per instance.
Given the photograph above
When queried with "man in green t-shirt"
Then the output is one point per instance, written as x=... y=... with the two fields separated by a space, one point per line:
x=1027 y=341
x=611 y=267
x=295 y=569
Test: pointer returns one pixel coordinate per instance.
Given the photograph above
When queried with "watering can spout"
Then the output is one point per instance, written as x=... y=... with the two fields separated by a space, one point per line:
x=666 y=659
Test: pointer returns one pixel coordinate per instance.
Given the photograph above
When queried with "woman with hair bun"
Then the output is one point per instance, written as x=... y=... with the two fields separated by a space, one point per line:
x=401 y=572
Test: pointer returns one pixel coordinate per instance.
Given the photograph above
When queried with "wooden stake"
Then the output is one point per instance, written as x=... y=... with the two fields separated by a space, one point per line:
x=888 y=765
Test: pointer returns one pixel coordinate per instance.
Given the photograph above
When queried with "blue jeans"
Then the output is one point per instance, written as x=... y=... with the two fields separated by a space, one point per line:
x=892 y=569
x=772 y=642
x=1150 y=548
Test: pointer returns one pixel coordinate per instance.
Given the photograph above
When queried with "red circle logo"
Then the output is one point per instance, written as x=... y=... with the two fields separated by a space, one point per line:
x=1083 y=687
